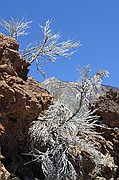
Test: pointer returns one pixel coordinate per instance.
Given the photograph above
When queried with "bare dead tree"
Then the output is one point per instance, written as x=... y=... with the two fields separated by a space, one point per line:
x=58 y=130
x=49 y=48
x=44 y=50
x=16 y=28
x=90 y=87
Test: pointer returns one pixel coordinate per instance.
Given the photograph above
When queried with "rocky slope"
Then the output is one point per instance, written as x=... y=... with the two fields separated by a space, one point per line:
x=23 y=101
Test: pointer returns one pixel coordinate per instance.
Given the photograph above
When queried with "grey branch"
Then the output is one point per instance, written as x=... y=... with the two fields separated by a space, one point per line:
x=49 y=48
x=16 y=27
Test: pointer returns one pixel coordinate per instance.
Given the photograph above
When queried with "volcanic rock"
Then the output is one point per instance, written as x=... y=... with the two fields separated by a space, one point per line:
x=22 y=99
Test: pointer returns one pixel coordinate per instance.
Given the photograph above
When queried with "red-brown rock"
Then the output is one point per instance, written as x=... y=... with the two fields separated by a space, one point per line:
x=22 y=99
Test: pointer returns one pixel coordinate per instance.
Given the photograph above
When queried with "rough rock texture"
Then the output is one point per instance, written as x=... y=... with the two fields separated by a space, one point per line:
x=4 y=174
x=22 y=99
x=108 y=109
x=108 y=106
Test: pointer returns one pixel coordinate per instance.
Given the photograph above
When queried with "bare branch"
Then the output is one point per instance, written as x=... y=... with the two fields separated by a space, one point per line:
x=16 y=28
x=90 y=88
x=50 y=47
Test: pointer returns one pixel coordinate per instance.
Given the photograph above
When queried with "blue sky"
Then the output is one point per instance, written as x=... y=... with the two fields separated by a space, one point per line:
x=95 y=23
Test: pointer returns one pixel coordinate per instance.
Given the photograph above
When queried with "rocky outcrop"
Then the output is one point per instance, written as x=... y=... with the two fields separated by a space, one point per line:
x=22 y=99
x=108 y=110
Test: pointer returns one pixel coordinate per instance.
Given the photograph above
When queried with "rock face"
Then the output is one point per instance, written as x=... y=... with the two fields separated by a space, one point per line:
x=108 y=109
x=22 y=99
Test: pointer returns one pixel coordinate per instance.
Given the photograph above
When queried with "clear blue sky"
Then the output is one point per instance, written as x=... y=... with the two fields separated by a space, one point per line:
x=95 y=23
